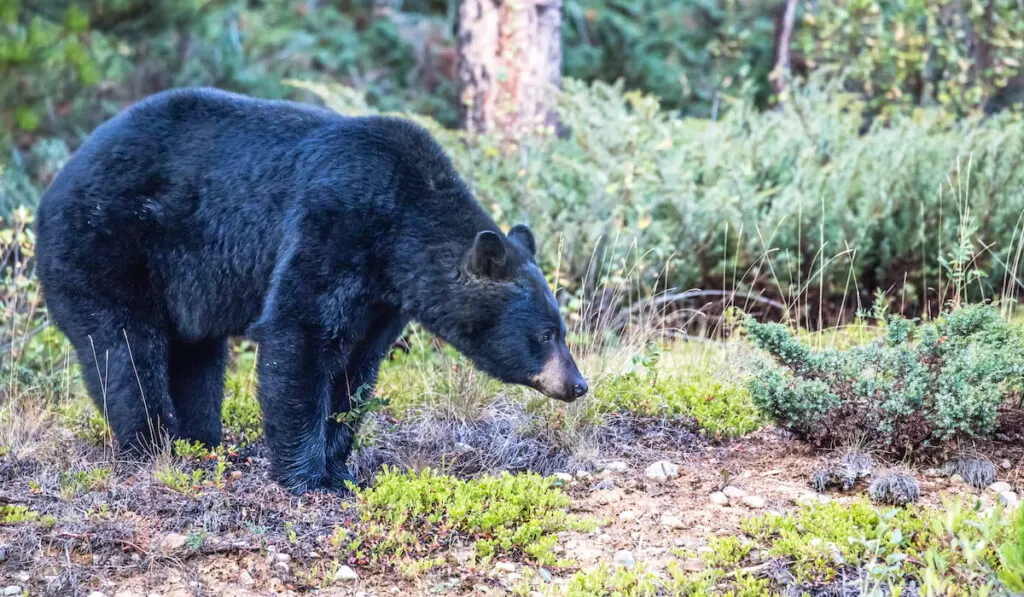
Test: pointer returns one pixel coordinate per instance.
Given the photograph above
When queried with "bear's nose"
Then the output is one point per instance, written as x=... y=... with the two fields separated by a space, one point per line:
x=579 y=389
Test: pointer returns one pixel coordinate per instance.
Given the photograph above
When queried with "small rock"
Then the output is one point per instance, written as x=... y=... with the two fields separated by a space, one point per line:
x=693 y=565
x=956 y=479
x=628 y=515
x=3 y=553
x=625 y=559
x=283 y=557
x=719 y=498
x=546 y=575
x=604 y=538
x=12 y=590
x=610 y=496
x=463 y=448
x=565 y=478
x=345 y=574
x=932 y=472
x=506 y=567
x=661 y=471
x=172 y=542
x=604 y=484
x=733 y=493
x=583 y=475
x=283 y=567
x=235 y=475
x=1000 y=487
x=807 y=499
x=672 y=522
x=1009 y=499
x=314 y=555
x=753 y=501
x=96 y=594
x=1006 y=465
x=616 y=466
x=246 y=579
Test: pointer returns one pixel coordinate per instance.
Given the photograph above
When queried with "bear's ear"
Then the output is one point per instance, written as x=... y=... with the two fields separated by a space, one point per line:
x=487 y=258
x=522 y=235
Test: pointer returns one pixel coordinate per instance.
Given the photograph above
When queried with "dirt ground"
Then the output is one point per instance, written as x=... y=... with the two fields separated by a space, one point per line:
x=144 y=553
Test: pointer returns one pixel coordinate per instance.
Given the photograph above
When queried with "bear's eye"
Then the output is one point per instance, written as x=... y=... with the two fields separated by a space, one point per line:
x=546 y=336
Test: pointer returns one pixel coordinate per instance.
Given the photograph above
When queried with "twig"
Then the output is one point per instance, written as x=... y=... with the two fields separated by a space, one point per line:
x=663 y=299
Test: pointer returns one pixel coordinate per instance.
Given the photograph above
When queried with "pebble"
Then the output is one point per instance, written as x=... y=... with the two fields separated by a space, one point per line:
x=661 y=471
x=506 y=567
x=96 y=594
x=628 y=515
x=956 y=479
x=604 y=538
x=611 y=496
x=12 y=590
x=1006 y=465
x=753 y=501
x=1000 y=487
x=604 y=484
x=3 y=553
x=719 y=498
x=625 y=559
x=283 y=566
x=733 y=493
x=546 y=575
x=235 y=475
x=463 y=448
x=672 y=522
x=583 y=475
x=172 y=542
x=246 y=579
x=283 y=557
x=1009 y=498
x=345 y=574
x=616 y=466
x=565 y=478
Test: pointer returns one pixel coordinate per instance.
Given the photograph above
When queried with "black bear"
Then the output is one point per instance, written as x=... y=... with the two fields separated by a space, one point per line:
x=197 y=214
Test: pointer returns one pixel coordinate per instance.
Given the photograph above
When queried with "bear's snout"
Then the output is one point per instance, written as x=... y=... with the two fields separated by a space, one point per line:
x=560 y=378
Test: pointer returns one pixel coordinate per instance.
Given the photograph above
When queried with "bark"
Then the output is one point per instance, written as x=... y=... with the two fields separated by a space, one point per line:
x=510 y=63
x=783 y=68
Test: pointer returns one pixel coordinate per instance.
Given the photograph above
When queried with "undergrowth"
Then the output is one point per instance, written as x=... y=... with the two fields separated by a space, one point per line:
x=421 y=515
x=918 y=390
x=842 y=548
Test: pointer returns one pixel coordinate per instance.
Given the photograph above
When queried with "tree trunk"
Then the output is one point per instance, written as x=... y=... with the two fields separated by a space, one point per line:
x=783 y=68
x=510 y=64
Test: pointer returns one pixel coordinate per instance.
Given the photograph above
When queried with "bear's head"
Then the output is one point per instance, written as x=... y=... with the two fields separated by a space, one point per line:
x=515 y=332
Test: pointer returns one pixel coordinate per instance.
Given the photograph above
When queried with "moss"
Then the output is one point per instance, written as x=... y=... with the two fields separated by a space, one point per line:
x=417 y=515
x=720 y=408
x=15 y=514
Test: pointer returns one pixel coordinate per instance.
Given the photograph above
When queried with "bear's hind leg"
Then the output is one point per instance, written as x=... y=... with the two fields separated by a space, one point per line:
x=125 y=371
x=197 y=388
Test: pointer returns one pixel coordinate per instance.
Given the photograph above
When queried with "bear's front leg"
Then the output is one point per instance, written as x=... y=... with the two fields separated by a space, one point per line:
x=350 y=390
x=294 y=393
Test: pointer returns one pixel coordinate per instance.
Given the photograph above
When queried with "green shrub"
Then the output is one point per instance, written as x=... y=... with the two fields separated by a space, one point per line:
x=955 y=546
x=907 y=54
x=916 y=390
x=1011 y=555
x=408 y=514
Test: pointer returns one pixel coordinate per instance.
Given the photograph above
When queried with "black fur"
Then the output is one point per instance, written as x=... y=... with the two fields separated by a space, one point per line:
x=196 y=215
